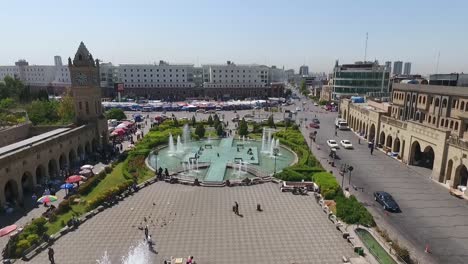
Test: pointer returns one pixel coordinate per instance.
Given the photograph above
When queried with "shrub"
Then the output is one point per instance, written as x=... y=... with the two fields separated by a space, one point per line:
x=352 y=211
x=33 y=239
x=21 y=246
x=108 y=169
x=63 y=207
x=290 y=175
x=329 y=187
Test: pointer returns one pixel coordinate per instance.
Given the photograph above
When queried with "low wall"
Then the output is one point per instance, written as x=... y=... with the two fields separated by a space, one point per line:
x=14 y=134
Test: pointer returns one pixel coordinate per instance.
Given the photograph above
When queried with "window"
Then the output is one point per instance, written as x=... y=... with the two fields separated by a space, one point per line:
x=454 y=103
x=456 y=125
x=466 y=107
x=462 y=105
x=80 y=106
x=87 y=108
x=444 y=103
x=437 y=101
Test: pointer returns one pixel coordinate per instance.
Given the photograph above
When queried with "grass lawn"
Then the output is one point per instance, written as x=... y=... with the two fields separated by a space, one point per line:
x=374 y=247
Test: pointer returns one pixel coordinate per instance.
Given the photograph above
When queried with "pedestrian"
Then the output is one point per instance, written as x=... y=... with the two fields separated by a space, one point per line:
x=336 y=132
x=34 y=199
x=237 y=208
x=146 y=232
x=51 y=255
x=166 y=172
x=372 y=149
x=359 y=140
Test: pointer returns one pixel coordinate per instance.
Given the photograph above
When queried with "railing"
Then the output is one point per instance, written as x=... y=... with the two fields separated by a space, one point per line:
x=456 y=141
x=393 y=122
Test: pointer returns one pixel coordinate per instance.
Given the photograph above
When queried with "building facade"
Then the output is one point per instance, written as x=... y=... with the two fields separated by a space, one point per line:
x=451 y=79
x=53 y=78
x=426 y=126
x=304 y=70
x=360 y=78
x=43 y=153
x=397 y=68
x=407 y=68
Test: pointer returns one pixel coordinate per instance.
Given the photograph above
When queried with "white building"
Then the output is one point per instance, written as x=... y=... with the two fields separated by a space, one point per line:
x=162 y=75
x=231 y=75
x=39 y=77
x=277 y=75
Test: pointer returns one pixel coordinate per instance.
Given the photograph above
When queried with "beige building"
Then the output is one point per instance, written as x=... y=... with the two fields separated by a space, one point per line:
x=425 y=126
x=36 y=154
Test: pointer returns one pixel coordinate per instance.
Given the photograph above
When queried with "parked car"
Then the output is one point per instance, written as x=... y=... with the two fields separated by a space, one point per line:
x=316 y=104
x=314 y=125
x=346 y=144
x=248 y=116
x=332 y=143
x=201 y=111
x=316 y=121
x=387 y=201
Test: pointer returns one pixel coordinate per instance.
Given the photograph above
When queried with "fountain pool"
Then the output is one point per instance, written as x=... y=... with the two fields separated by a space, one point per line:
x=218 y=160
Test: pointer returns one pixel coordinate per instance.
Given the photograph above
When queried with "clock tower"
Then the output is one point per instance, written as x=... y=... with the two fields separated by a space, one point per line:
x=84 y=74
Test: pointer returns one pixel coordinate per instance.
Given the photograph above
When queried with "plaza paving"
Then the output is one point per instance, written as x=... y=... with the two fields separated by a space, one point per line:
x=186 y=220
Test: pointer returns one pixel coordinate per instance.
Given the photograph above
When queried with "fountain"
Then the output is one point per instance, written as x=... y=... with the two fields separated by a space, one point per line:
x=171 y=144
x=263 y=140
x=186 y=134
x=243 y=139
x=269 y=139
x=138 y=254
x=272 y=146
x=180 y=146
x=209 y=139
x=277 y=143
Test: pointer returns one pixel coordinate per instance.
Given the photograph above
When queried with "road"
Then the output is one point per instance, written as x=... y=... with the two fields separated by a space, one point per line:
x=430 y=216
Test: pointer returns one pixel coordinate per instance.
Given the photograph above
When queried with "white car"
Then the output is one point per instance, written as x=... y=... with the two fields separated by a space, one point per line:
x=346 y=144
x=315 y=104
x=332 y=143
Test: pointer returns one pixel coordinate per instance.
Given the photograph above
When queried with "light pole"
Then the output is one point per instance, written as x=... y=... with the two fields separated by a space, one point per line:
x=275 y=153
x=350 y=169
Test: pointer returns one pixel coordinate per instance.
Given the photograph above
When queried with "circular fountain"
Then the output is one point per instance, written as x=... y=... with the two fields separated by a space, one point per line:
x=218 y=160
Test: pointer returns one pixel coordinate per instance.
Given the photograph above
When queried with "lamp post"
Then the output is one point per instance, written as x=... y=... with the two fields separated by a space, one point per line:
x=275 y=153
x=350 y=169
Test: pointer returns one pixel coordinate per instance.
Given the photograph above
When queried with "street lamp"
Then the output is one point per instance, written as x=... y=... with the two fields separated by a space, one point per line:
x=275 y=153
x=350 y=169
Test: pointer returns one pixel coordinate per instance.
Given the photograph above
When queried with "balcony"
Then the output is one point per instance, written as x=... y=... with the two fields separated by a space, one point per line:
x=458 y=142
x=393 y=122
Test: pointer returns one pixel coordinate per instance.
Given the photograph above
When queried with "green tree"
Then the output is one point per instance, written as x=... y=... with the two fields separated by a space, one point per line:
x=11 y=87
x=176 y=122
x=287 y=93
x=210 y=120
x=66 y=109
x=271 y=121
x=243 y=128
x=200 y=130
x=303 y=88
x=194 y=121
x=115 y=113
x=43 y=112
x=7 y=103
x=219 y=130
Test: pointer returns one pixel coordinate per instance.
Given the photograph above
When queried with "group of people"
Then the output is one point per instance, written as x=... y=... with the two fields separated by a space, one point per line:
x=159 y=173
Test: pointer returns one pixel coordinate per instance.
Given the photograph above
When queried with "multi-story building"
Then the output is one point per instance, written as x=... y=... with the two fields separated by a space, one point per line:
x=407 y=68
x=388 y=64
x=276 y=75
x=397 y=67
x=360 y=78
x=452 y=79
x=109 y=76
x=426 y=126
x=304 y=70
x=53 y=78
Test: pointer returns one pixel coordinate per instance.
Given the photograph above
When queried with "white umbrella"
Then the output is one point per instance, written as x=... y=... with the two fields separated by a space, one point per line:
x=86 y=167
x=121 y=126
x=86 y=172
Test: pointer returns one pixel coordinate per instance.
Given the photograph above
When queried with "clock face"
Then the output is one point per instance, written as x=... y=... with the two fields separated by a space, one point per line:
x=81 y=79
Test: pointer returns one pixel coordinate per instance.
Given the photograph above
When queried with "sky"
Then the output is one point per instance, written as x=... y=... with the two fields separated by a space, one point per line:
x=281 y=33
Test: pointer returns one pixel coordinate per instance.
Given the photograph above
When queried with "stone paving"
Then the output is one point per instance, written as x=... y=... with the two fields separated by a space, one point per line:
x=198 y=221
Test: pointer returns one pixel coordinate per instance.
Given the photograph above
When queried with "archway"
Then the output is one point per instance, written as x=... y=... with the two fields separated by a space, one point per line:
x=461 y=176
x=372 y=133
x=448 y=175
x=62 y=161
x=72 y=158
x=11 y=191
x=344 y=115
x=423 y=159
x=95 y=145
x=88 y=148
x=53 y=170
x=389 y=142
x=396 y=145
x=40 y=175
x=382 y=138
x=27 y=183
x=80 y=153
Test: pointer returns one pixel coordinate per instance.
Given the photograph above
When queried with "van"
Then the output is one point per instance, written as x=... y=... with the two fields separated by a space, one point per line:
x=341 y=124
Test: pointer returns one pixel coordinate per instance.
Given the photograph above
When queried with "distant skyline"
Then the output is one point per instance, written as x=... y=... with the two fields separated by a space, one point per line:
x=281 y=33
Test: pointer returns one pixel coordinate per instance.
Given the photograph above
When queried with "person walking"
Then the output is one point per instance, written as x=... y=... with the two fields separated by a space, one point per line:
x=51 y=255
x=236 y=208
x=146 y=232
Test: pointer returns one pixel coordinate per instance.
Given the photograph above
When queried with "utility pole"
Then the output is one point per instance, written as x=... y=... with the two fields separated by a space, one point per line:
x=365 y=49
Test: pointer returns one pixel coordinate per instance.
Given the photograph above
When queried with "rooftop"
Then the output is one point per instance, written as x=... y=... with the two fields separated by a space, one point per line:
x=433 y=89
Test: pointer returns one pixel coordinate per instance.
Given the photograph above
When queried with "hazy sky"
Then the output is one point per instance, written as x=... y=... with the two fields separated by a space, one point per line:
x=288 y=33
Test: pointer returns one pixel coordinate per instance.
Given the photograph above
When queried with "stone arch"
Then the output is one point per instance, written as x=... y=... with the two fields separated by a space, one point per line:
x=52 y=168
x=448 y=175
x=40 y=174
x=396 y=145
x=422 y=158
x=27 y=182
x=80 y=153
x=382 y=138
x=344 y=115
x=11 y=191
x=372 y=133
x=461 y=176
x=88 y=148
x=63 y=161
x=389 y=141
x=95 y=144
x=72 y=160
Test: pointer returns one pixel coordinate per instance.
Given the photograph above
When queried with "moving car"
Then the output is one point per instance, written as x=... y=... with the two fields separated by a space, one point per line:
x=386 y=200
x=314 y=125
x=316 y=121
x=200 y=111
x=332 y=143
x=316 y=104
x=346 y=144
x=249 y=116
x=341 y=124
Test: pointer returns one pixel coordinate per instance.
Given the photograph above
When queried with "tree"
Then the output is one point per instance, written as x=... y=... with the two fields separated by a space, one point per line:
x=243 y=128
x=115 y=113
x=176 y=122
x=11 y=87
x=219 y=130
x=271 y=121
x=200 y=130
x=7 y=103
x=287 y=93
x=66 y=109
x=210 y=120
x=303 y=88
x=194 y=121
x=43 y=112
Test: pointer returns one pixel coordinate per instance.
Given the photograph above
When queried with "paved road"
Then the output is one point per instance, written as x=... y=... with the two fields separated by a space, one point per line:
x=429 y=214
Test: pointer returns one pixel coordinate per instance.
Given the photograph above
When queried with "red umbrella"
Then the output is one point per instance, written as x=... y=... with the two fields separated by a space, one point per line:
x=119 y=131
x=73 y=179
x=6 y=230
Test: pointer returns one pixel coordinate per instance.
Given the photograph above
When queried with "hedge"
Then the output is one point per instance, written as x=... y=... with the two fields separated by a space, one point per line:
x=352 y=211
x=329 y=187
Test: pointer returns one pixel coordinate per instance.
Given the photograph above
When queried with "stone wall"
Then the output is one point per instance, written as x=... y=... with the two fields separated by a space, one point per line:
x=14 y=134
